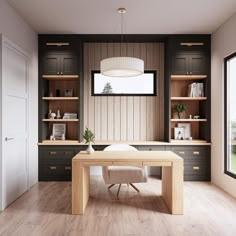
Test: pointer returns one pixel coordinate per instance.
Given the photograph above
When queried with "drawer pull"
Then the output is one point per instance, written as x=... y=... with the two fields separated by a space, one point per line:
x=182 y=153
x=52 y=167
x=196 y=153
x=68 y=153
x=52 y=153
x=67 y=167
x=196 y=167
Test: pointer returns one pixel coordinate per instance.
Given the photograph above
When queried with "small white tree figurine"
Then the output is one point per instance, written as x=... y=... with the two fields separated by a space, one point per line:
x=89 y=138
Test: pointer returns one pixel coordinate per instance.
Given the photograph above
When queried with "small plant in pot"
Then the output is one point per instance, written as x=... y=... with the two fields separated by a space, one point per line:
x=180 y=108
x=89 y=138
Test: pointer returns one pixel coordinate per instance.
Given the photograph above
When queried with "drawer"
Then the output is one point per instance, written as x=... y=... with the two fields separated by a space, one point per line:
x=58 y=154
x=151 y=148
x=193 y=153
x=56 y=170
x=195 y=168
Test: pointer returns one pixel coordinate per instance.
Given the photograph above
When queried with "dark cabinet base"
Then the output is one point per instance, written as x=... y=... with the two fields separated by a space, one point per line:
x=55 y=162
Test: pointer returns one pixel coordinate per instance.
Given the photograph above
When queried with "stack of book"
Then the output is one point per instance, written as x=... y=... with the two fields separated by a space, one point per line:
x=196 y=90
x=70 y=115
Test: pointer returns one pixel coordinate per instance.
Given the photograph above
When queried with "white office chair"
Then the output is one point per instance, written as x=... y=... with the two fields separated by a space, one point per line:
x=123 y=174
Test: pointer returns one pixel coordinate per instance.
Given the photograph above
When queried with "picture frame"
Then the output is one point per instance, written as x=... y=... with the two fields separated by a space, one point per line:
x=187 y=129
x=179 y=133
x=59 y=131
x=68 y=92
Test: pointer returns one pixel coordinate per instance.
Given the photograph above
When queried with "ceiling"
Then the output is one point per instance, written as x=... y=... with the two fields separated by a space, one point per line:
x=142 y=17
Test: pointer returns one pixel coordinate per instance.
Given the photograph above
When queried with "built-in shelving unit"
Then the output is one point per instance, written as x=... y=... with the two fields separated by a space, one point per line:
x=60 y=98
x=60 y=77
x=189 y=98
x=188 y=120
x=60 y=120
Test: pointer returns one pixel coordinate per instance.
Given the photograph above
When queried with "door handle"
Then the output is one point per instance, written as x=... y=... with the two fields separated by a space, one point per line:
x=8 y=139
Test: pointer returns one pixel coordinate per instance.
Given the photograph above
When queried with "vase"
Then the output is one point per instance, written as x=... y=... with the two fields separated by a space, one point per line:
x=90 y=149
x=179 y=115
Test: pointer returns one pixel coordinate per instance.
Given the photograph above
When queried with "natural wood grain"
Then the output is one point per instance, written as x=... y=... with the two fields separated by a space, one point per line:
x=189 y=120
x=60 y=77
x=46 y=210
x=172 y=189
x=149 y=143
x=188 y=77
x=60 y=120
x=60 y=98
x=188 y=98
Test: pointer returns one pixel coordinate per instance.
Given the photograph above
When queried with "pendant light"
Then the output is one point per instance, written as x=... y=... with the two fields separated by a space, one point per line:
x=122 y=66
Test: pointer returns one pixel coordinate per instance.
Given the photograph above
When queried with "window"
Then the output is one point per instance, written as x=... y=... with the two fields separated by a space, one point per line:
x=230 y=115
x=142 y=85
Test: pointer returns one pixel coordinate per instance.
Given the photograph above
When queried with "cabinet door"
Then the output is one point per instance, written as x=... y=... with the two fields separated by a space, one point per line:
x=51 y=64
x=179 y=64
x=197 y=64
x=69 y=65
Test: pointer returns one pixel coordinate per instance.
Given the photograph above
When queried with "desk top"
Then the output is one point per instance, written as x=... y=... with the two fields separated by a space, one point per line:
x=127 y=156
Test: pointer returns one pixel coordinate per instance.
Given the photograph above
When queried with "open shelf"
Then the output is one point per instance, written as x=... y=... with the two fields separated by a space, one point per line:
x=60 y=142
x=60 y=98
x=188 y=120
x=189 y=98
x=60 y=77
x=188 y=77
x=195 y=141
x=60 y=120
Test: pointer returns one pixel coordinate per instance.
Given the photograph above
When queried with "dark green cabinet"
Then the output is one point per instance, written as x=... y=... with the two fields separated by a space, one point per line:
x=188 y=64
x=60 y=64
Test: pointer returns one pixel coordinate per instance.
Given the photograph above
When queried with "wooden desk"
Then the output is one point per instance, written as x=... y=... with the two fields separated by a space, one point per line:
x=172 y=174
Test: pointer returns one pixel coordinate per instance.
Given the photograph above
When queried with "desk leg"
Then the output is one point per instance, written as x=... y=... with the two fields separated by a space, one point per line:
x=80 y=187
x=172 y=187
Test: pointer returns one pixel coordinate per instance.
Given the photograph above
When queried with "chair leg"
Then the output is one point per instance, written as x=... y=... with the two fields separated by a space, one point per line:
x=111 y=186
x=118 y=192
x=134 y=187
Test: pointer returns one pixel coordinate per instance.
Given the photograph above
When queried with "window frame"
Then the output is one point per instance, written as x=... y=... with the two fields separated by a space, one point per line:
x=154 y=72
x=226 y=171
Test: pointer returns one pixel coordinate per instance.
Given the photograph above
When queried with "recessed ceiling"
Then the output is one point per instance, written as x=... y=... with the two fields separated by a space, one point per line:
x=142 y=17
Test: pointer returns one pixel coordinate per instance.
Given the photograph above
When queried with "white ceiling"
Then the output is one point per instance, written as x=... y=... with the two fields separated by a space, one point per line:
x=142 y=17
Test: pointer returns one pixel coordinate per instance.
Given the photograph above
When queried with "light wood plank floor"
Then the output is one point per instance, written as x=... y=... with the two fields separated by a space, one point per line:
x=46 y=210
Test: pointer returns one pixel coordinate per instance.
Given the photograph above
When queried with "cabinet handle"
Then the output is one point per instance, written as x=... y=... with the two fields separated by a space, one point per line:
x=196 y=168
x=61 y=73
x=68 y=153
x=196 y=153
x=52 y=153
x=52 y=167
x=182 y=153
x=67 y=168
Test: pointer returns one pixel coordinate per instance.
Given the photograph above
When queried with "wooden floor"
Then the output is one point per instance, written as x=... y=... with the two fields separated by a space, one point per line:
x=46 y=210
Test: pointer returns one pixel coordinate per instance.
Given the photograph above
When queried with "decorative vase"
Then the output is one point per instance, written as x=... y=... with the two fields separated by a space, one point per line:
x=179 y=115
x=90 y=149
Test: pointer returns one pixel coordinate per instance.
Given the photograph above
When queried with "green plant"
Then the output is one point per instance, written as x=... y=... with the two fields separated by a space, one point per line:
x=179 y=108
x=88 y=136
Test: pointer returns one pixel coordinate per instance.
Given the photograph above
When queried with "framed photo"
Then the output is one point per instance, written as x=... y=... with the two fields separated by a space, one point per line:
x=59 y=131
x=69 y=92
x=179 y=133
x=187 y=129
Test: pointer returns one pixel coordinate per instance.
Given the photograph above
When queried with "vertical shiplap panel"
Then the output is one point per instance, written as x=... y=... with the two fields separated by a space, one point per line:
x=161 y=91
x=110 y=105
x=97 y=114
x=143 y=100
x=117 y=102
x=104 y=110
x=91 y=100
x=130 y=102
x=151 y=109
x=86 y=71
x=124 y=118
x=123 y=109
x=136 y=125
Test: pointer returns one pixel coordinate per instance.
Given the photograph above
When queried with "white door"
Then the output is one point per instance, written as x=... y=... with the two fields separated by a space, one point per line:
x=14 y=123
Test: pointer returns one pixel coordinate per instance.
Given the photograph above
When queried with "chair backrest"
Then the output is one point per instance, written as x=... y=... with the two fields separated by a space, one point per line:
x=120 y=147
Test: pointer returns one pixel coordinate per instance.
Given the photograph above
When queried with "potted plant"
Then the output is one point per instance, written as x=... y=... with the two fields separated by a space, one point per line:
x=179 y=108
x=89 y=138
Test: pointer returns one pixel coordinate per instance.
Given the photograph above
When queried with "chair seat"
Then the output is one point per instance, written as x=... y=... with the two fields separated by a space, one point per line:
x=125 y=174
